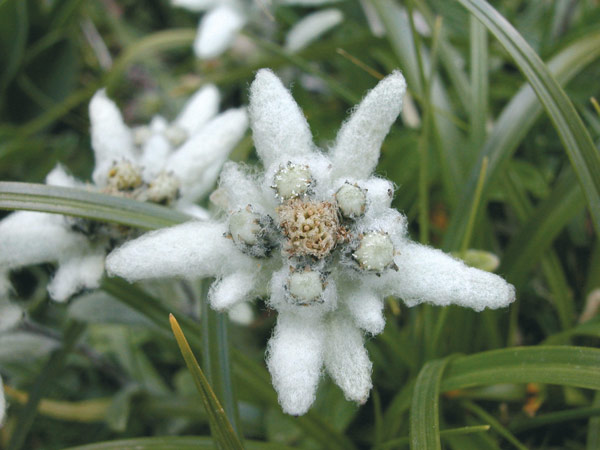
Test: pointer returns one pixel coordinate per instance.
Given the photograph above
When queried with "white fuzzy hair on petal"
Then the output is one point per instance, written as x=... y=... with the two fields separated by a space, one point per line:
x=231 y=290
x=295 y=359
x=32 y=238
x=199 y=109
x=311 y=27
x=366 y=308
x=358 y=143
x=112 y=140
x=190 y=250
x=197 y=162
x=75 y=274
x=427 y=275
x=157 y=150
x=239 y=187
x=59 y=177
x=279 y=128
x=217 y=30
x=346 y=359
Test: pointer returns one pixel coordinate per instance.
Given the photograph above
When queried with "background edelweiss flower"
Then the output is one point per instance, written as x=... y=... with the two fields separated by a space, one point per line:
x=314 y=232
x=155 y=171
x=223 y=20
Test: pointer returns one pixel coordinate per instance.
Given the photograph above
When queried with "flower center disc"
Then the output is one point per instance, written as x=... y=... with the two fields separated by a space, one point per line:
x=312 y=228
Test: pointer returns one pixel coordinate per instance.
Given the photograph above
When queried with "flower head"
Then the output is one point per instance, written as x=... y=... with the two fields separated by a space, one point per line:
x=316 y=233
x=223 y=20
x=156 y=169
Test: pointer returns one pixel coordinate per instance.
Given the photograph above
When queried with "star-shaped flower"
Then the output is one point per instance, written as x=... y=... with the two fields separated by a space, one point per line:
x=173 y=165
x=223 y=20
x=316 y=234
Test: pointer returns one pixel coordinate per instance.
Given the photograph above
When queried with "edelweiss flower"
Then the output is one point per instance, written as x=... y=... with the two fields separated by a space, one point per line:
x=314 y=232
x=223 y=19
x=156 y=172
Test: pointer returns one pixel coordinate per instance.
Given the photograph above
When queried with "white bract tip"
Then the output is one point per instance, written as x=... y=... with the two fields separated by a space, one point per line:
x=291 y=181
x=366 y=308
x=305 y=287
x=310 y=28
x=351 y=200
x=199 y=109
x=111 y=138
x=375 y=252
x=217 y=30
x=279 y=128
x=358 y=143
x=294 y=359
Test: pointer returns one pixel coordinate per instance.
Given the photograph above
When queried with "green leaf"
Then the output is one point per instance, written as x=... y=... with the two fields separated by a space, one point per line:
x=564 y=365
x=171 y=443
x=87 y=204
x=512 y=125
x=424 y=412
x=495 y=425
x=221 y=428
x=582 y=152
x=400 y=442
x=44 y=380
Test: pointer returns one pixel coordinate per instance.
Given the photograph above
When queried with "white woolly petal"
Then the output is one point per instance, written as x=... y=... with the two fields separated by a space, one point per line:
x=242 y=314
x=191 y=209
x=373 y=20
x=358 y=143
x=239 y=187
x=112 y=140
x=346 y=359
x=217 y=30
x=32 y=238
x=195 y=5
x=198 y=161
x=278 y=126
x=2 y=403
x=429 y=275
x=193 y=249
x=76 y=274
x=380 y=194
x=10 y=314
x=199 y=109
x=294 y=359
x=366 y=308
x=154 y=156
x=311 y=28
x=231 y=290
x=59 y=177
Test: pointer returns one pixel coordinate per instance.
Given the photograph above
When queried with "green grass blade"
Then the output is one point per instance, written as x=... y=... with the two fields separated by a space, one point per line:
x=559 y=417
x=221 y=428
x=537 y=234
x=171 y=443
x=563 y=365
x=424 y=413
x=44 y=380
x=87 y=204
x=495 y=425
x=405 y=441
x=479 y=83
x=582 y=152
x=511 y=127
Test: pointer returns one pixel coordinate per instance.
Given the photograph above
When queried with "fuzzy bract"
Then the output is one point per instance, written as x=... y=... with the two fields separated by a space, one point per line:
x=313 y=232
x=224 y=19
x=173 y=164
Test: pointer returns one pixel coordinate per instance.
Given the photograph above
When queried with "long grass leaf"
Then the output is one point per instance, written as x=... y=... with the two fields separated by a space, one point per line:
x=582 y=152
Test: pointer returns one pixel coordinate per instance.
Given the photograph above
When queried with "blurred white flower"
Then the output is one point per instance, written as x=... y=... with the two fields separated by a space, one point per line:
x=165 y=170
x=315 y=233
x=223 y=20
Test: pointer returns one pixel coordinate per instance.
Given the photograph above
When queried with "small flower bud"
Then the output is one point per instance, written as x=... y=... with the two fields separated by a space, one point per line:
x=141 y=135
x=305 y=286
x=164 y=189
x=375 y=252
x=176 y=135
x=124 y=176
x=292 y=181
x=351 y=200
x=250 y=232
